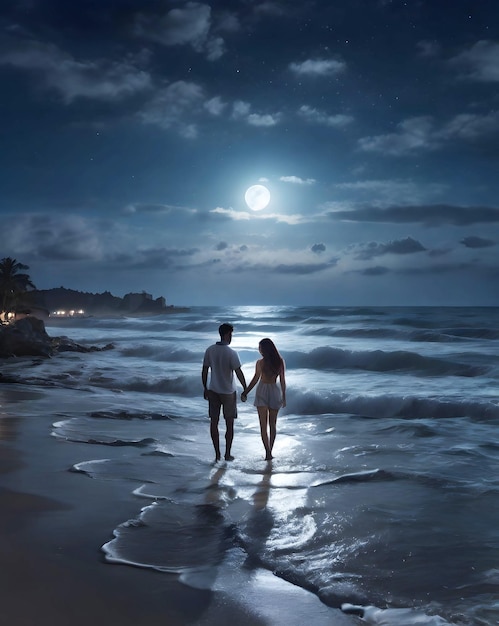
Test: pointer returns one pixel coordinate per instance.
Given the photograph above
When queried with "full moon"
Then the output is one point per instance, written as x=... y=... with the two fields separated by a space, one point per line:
x=257 y=197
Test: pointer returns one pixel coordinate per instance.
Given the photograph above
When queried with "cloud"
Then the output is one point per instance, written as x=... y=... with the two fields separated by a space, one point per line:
x=402 y=246
x=457 y=269
x=97 y=80
x=428 y=49
x=301 y=269
x=374 y=249
x=442 y=268
x=151 y=258
x=318 y=67
x=215 y=106
x=70 y=240
x=283 y=268
x=242 y=110
x=271 y=9
x=232 y=214
x=296 y=180
x=253 y=259
x=151 y=209
x=215 y=48
x=319 y=117
x=479 y=63
x=378 y=270
x=189 y=131
x=318 y=248
x=413 y=135
x=429 y=215
x=477 y=242
x=390 y=191
x=420 y=134
x=469 y=126
x=436 y=252
x=171 y=104
x=255 y=119
x=187 y=25
x=50 y=237
x=228 y=22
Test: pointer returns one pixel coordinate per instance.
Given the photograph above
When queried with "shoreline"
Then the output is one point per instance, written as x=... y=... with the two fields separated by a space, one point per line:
x=53 y=525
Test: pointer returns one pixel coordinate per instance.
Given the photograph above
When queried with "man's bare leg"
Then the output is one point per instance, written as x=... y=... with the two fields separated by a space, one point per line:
x=229 y=436
x=215 y=438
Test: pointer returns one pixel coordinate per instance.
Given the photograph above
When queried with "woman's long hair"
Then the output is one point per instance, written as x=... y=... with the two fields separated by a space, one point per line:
x=272 y=360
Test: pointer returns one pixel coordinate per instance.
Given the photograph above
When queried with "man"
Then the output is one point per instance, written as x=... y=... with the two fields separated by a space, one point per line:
x=222 y=361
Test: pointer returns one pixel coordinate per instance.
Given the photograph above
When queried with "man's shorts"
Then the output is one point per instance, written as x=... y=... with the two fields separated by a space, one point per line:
x=217 y=401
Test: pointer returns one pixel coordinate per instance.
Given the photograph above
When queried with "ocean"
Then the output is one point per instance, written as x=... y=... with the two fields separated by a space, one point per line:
x=383 y=493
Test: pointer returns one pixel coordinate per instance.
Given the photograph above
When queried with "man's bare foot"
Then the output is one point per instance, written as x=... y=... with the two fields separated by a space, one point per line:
x=229 y=457
x=269 y=457
x=217 y=458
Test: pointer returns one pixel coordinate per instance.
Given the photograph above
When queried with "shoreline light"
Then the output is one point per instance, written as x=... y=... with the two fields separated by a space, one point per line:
x=69 y=313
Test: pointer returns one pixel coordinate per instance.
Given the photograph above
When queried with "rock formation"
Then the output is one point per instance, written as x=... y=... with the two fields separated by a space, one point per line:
x=28 y=337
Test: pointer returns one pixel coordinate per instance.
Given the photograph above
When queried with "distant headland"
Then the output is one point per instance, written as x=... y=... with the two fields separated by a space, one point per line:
x=65 y=303
x=20 y=298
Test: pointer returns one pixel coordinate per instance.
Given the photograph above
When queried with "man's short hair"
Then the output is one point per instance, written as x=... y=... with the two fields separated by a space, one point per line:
x=225 y=329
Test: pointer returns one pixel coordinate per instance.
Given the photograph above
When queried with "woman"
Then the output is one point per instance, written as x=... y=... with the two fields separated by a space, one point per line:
x=268 y=398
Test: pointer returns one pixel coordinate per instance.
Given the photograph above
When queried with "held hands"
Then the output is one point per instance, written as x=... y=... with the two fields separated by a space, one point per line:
x=244 y=396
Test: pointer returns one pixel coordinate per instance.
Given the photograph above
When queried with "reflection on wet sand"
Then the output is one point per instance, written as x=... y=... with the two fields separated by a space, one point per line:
x=211 y=524
x=215 y=491
x=259 y=524
x=262 y=492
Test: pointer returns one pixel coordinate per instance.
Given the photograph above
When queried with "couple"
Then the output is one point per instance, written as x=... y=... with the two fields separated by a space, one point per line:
x=222 y=361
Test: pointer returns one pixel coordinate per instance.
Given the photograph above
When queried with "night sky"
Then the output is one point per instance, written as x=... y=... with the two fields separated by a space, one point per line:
x=131 y=130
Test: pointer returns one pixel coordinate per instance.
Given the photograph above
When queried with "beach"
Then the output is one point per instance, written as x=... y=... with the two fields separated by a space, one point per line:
x=53 y=571
x=382 y=492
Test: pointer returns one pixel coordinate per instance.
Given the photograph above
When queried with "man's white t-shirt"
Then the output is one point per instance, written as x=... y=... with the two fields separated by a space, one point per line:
x=222 y=361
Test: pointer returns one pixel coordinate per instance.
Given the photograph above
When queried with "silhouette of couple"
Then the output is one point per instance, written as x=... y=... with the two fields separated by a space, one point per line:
x=221 y=362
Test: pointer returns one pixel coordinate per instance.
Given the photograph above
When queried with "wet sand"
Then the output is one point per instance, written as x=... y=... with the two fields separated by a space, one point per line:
x=52 y=525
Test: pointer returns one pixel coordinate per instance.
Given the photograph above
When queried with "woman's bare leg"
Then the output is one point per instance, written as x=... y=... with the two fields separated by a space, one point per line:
x=273 y=427
x=263 y=413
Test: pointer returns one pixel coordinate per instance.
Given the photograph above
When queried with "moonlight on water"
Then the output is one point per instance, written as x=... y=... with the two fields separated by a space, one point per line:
x=257 y=197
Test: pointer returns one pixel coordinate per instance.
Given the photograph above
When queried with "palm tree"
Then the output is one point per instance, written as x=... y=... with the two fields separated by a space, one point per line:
x=14 y=284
